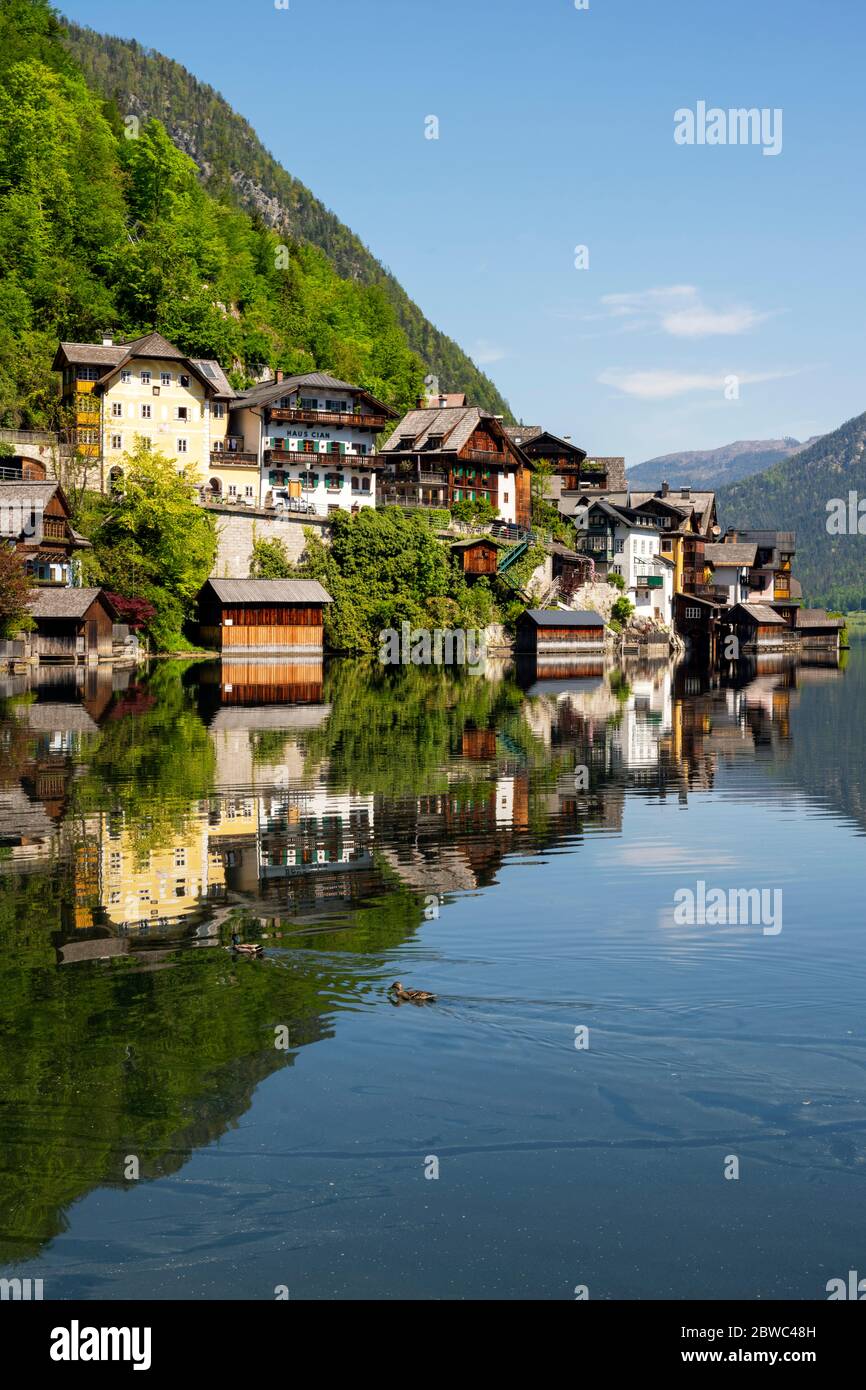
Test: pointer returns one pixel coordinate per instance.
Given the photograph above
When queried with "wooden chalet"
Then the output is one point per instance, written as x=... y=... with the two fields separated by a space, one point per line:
x=437 y=457
x=73 y=625
x=563 y=457
x=35 y=518
x=557 y=632
x=241 y=616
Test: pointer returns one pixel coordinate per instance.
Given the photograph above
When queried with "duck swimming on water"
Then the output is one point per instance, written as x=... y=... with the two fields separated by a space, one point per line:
x=411 y=996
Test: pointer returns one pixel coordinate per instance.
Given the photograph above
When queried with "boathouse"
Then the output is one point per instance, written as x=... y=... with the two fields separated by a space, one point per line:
x=73 y=624
x=759 y=628
x=240 y=616
x=557 y=632
x=818 y=632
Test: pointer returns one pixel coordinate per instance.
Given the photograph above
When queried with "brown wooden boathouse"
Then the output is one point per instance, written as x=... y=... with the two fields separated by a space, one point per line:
x=241 y=616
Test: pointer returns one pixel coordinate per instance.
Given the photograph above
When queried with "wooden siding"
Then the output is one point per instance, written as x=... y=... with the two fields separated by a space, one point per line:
x=272 y=636
x=271 y=683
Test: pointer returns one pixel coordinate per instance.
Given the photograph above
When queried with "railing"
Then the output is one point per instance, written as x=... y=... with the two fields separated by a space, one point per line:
x=483 y=456
x=224 y=458
x=434 y=479
x=329 y=417
x=716 y=593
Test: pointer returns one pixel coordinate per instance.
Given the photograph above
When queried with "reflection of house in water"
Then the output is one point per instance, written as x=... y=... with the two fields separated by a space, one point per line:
x=160 y=886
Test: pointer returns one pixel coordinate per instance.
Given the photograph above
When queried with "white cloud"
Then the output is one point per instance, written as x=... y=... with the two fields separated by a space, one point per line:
x=679 y=311
x=485 y=353
x=665 y=385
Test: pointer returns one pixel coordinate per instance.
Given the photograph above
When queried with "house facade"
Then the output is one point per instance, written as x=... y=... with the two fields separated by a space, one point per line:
x=435 y=458
x=313 y=438
x=117 y=393
x=35 y=518
x=627 y=542
x=240 y=617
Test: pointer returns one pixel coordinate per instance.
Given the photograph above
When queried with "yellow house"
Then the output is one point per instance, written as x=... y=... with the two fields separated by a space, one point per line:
x=148 y=388
x=162 y=886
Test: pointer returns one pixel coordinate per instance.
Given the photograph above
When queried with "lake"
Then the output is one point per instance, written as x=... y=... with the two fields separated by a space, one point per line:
x=609 y=1094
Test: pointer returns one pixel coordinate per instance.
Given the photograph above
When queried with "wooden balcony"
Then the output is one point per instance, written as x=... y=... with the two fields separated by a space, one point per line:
x=224 y=458
x=329 y=417
x=484 y=456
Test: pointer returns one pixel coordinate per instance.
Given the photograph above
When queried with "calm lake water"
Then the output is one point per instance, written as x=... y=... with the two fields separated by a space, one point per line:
x=367 y=827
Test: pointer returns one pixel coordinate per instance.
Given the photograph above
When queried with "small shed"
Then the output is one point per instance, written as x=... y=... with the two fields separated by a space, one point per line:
x=553 y=632
x=240 y=616
x=73 y=624
x=477 y=556
x=817 y=631
x=758 y=627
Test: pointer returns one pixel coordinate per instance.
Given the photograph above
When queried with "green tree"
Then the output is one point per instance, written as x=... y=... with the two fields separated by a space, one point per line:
x=14 y=593
x=152 y=540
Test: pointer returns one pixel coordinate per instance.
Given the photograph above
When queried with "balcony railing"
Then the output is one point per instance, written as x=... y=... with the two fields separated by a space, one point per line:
x=490 y=456
x=235 y=458
x=330 y=417
x=716 y=593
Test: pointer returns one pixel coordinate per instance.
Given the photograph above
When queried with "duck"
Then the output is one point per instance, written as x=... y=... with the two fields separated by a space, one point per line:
x=241 y=949
x=411 y=996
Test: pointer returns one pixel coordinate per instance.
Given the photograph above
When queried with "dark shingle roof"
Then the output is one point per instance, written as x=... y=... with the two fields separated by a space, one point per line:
x=273 y=390
x=818 y=617
x=761 y=614
x=65 y=603
x=730 y=554
x=269 y=591
x=564 y=617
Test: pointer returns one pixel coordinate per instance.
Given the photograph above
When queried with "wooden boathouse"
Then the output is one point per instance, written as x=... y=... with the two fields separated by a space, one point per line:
x=554 y=633
x=72 y=625
x=276 y=616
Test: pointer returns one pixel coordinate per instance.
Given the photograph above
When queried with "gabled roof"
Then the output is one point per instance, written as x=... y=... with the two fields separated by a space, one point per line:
x=269 y=391
x=151 y=345
x=479 y=540
x=450 y=430
x=818 y=617
x=700 y=502
x=730 y=554
x=539 y=439
x=67 y=603
x=269 y=591
x=564 y=617
x=761 y=614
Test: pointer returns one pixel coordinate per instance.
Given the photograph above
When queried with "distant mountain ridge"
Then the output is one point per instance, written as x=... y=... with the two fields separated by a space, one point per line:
x=235 y=165
x=794 y=494
x=715 y=467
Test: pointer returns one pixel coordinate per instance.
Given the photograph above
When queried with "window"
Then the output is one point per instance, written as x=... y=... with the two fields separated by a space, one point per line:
x=309 y=481
x=333 y=481
x=126 y=377
x=116 y=441
x=181 y=446
x=182 y=413
x=233 y=491
x=248 y=490
x=146 y=412
x=308 y=403
x=165 y=378
x=145 y=378
x=115 y=860
x=505 y=496
x=618 y=547
x=183 y=379
x=219 y=411
x=116 y=410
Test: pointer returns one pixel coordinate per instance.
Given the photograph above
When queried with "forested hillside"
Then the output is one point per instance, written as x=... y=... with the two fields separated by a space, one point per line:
x=235 y=166
x=794 y=495
x=99 y=232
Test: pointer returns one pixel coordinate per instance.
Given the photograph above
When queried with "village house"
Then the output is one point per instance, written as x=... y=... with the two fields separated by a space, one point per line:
x=562 y=457
x=116 y=393
x=241 y=616
x=314 y=439
x=819 y=634
x=477 y=556
x=437 y=457
x=35 y=518
x=731 y=564
x=769 y=576
x=627 y=542
x=758 y=628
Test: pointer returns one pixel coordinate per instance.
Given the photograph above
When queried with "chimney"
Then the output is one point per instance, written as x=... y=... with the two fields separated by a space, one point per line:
x=443 y=402
x=732 y=535
x=421 y=403
x=107 y=341
x=280 y=375
x=685 y=492
x=666 y=487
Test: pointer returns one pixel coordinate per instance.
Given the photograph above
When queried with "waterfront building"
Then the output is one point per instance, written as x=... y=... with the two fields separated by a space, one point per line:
x=35 y=518
x=242 y=616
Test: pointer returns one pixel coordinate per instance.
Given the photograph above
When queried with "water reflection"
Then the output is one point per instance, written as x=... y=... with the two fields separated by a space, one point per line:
x=145 y=817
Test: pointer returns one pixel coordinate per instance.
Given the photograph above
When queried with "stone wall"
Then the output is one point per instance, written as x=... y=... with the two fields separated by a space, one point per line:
x=598 y=598
x=238 y=529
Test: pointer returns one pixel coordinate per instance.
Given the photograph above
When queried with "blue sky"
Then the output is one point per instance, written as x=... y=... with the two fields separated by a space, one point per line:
x=556 y=130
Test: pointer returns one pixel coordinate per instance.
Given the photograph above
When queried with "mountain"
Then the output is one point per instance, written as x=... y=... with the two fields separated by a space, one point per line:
x=795 y=495
x=714 y=467
x=235 y=166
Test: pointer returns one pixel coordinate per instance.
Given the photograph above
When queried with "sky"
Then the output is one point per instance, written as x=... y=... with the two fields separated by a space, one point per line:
x=720 y=295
